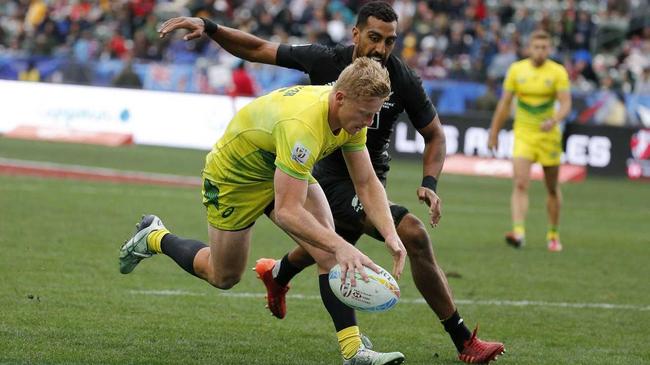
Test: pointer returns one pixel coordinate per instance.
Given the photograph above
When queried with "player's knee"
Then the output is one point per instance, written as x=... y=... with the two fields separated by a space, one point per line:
x=224 y=282
x=521 y=185
x=414 y=236
x=553 y=191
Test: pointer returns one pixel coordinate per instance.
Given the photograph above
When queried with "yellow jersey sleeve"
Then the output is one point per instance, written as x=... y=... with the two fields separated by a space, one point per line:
x=509 y=81
x=562 y=83
x=296 y=148
x=356 y=142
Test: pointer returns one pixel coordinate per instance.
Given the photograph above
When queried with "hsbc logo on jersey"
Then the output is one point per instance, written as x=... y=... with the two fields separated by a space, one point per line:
x=300 y=153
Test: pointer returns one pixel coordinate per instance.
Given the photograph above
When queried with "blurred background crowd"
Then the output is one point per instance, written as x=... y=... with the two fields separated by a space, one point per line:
x=604 y=44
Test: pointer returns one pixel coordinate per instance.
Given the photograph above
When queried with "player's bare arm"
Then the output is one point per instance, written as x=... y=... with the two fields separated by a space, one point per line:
x=236 y=42
x=433 y=159
x=499 y=118
x=373 y=197
x=291 y=215
x=564 y=99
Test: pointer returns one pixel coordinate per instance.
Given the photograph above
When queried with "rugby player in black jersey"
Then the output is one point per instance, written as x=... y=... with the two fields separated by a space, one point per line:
x=374 y=36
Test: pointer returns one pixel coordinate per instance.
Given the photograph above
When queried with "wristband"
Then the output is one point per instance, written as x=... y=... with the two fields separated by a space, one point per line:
x=430 y=182
x=209 y=27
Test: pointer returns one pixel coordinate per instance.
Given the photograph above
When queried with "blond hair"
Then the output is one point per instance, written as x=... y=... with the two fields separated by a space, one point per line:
x=364 y=78
x=540 y=34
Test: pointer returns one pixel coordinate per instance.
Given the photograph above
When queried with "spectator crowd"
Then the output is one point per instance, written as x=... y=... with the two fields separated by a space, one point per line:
x=604 y=44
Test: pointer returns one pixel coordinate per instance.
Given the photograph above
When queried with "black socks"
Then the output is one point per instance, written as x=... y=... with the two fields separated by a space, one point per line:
x=456 y=328
x=342 y=315
x=181 y=250
x=286 y=272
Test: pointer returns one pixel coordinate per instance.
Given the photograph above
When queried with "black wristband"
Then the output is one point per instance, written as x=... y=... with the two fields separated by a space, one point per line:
x=209 y=27
x=430 y=182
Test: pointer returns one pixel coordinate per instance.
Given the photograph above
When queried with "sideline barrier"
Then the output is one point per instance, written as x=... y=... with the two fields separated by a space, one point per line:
x=84 y=113
x=115 y=116
x=602 y=150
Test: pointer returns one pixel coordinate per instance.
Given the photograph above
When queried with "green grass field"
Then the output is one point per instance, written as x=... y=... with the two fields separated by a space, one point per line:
x=63 y=301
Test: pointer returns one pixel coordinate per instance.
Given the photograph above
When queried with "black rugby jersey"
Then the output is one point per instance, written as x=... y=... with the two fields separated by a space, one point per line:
x=324 y=64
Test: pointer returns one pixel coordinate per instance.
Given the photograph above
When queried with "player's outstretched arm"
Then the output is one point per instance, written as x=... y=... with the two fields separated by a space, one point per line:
x=373 y=197
x=433 y=158
x=236 y=42
x=290 y=214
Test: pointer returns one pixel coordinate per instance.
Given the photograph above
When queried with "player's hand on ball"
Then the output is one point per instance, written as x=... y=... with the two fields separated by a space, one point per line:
x=352 y=260
x=195 y=27
x=379 y=294
x=397 y=250
x=432 y=200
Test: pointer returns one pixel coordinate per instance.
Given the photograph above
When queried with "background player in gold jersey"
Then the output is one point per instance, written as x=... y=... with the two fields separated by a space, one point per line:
x=537 y=82
x=262 y=164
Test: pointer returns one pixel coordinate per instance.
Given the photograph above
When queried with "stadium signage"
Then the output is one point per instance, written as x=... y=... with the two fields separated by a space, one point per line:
x=584 y=150
x=196 y=121
x=70 y=112
x=604 y=150
x=638 y=166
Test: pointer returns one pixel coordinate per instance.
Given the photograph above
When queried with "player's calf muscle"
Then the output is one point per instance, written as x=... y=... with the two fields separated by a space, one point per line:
x=415 y=237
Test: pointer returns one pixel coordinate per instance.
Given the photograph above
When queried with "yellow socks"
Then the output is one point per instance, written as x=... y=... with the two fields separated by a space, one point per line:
x=552 y=233
x=154 y=239
x=349 y=341
x=519 y=229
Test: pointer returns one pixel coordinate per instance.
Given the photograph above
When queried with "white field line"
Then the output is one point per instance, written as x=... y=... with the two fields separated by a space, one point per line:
x=492 y=302
x=161 y=191
x=57 y=169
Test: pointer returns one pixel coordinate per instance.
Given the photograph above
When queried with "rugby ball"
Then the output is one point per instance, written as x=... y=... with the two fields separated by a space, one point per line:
x=379 y=294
